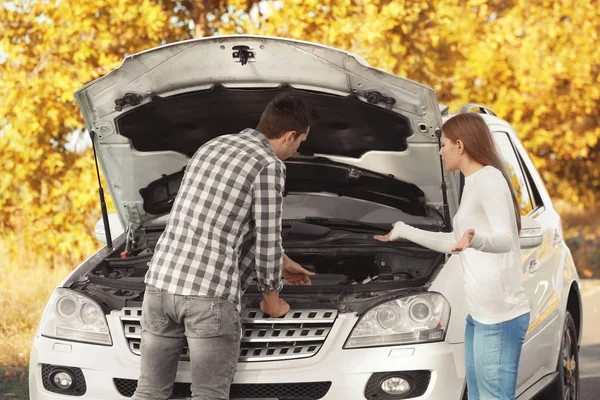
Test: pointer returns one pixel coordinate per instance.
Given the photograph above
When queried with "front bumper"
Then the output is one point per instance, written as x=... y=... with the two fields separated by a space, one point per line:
x=348 y=371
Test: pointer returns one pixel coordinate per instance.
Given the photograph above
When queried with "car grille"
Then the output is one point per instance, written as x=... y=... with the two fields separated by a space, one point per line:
x=299 y=334
x=281 y=391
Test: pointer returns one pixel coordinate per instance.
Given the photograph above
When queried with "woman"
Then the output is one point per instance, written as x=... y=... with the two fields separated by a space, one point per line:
x=486 y=236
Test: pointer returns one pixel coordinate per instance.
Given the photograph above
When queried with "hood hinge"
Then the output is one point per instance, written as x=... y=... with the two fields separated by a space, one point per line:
x=133 y=214
x=136 y=233
x=376 y=98
x=130 y=99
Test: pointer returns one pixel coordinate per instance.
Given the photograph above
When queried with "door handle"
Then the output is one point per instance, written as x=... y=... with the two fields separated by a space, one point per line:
x=533 y=266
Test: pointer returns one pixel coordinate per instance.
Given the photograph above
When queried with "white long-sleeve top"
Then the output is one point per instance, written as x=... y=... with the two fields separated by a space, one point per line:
x=492 y=267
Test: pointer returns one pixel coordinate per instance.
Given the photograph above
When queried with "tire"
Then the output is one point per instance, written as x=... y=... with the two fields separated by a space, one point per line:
x=566 y=384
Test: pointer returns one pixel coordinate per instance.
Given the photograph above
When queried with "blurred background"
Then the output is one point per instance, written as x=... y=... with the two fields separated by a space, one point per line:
x=536 y=63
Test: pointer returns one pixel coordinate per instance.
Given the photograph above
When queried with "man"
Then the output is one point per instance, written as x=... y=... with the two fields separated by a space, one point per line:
x=224 y=230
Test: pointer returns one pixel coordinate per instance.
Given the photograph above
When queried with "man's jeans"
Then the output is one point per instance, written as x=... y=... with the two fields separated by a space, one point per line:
x=492 y=355
x=212 y=327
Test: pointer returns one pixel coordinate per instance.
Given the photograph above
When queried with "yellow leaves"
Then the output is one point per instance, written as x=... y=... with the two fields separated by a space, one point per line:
x=58 y=219
x=395 y=9
x=475 y=3
x=524 y=59
x=533 y=63
x=83 y=54
x=553 y=78
x=51 y=197
x=53 y=163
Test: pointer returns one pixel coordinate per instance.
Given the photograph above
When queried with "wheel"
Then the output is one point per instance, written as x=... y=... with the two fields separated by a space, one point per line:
x=566 y=385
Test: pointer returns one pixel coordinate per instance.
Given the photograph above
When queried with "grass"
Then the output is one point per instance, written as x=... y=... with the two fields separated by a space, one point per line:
x=13 y=383
x=24 y=292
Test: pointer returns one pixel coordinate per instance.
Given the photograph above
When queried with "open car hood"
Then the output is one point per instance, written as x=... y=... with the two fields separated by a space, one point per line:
x=151 y=114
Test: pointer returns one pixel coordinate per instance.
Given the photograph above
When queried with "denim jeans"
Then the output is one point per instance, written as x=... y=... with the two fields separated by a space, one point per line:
x=212 y=327
x=492 y=353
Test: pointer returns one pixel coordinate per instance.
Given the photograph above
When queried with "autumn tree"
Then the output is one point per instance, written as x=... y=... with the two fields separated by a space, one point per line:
x=48 y=200
x=534 y=63
x=48 y=195
x=537 y=65
x=206 y=17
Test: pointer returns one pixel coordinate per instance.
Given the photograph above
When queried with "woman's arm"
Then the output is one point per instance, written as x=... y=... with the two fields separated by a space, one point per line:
x=496 y=202
x=442 y=242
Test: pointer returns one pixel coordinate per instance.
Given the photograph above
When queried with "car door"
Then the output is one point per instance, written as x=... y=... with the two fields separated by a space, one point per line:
x=540 y=264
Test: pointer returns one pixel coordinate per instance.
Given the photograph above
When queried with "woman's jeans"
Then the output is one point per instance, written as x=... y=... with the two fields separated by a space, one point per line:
x=492 y=353
x=212 y=327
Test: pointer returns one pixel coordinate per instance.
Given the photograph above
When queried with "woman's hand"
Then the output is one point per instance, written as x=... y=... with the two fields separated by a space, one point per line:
x=464 y=242
x=385 y=238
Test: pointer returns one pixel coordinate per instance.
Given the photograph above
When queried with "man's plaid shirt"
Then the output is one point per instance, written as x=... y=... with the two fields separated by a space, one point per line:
x=225 y=225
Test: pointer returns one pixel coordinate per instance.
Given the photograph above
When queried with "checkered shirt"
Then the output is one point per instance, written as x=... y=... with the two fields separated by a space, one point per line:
x=224 y=229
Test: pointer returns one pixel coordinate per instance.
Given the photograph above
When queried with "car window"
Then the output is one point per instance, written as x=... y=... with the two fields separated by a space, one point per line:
x=514 y=169
x=534 y=193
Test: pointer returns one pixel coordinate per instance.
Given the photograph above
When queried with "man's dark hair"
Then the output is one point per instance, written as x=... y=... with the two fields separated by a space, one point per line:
x=285 y=112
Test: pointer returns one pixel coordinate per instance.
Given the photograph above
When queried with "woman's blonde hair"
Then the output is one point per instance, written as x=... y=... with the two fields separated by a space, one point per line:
x=471 y=129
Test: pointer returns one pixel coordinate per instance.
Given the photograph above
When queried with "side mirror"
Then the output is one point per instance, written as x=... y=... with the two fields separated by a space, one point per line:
x=116 y=229
x=531 y=234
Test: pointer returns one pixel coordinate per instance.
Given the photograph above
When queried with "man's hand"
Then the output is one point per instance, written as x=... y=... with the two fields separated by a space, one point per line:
x=273 y=305
x=464 y=242
x=294 y=273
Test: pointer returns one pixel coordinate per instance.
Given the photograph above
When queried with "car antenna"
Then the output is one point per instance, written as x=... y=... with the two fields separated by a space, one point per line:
x=101 y=194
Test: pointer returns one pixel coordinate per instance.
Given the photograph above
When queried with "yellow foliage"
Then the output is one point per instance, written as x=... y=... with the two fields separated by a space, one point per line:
x=534 y=63
x=48 y=194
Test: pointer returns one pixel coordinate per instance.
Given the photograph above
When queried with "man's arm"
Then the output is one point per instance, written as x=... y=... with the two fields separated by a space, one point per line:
x=266 y=212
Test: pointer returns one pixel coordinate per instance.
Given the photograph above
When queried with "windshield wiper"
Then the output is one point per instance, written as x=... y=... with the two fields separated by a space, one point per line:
x=346 y=223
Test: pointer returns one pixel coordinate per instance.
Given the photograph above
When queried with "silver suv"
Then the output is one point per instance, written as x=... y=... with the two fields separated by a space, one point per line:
x=381 y=320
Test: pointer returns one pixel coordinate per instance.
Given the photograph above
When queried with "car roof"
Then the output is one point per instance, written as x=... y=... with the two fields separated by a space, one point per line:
x=488 y=115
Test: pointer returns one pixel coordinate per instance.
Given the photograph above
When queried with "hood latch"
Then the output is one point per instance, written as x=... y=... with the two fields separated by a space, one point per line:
x=243 y=54
x=354 y=174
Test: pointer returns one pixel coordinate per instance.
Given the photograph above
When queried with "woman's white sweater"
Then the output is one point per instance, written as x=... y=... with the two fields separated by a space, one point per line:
x=492 y=267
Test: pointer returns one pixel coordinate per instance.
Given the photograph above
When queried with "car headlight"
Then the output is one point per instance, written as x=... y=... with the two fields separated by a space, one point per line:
x=72 y=316
x=414 y=319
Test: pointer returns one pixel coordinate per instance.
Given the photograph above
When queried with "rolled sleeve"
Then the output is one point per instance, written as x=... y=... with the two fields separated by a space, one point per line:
x=266 y=212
